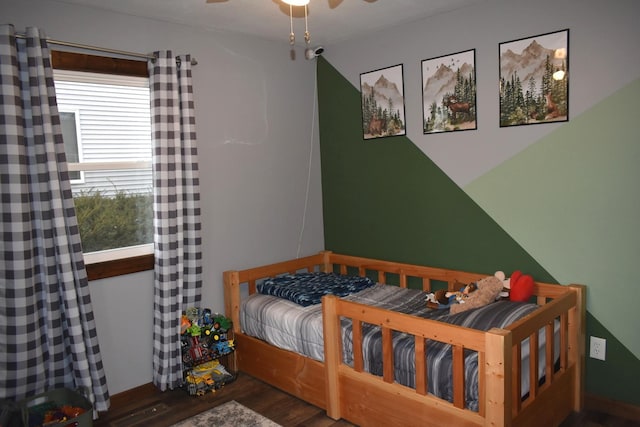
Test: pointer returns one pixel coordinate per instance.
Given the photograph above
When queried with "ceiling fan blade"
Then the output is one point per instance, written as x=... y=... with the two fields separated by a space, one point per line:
x=217 y=1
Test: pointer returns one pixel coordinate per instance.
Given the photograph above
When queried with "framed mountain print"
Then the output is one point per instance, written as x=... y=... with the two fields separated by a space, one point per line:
x=449 y=93
x=382 y=94
x=534 y=80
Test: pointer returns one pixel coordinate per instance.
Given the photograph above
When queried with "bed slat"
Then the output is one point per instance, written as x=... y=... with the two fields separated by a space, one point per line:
x=458 y=376
x=564 y=338
x=516 y=379
x=533 y=365
x=421 y=365
x=403 y=279
x=482 y=389
x=426 y=284
x=550 y=351
x=387 y=355
x=358 y=361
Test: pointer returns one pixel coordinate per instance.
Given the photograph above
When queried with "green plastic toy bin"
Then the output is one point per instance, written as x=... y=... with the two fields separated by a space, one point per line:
x=32 y=408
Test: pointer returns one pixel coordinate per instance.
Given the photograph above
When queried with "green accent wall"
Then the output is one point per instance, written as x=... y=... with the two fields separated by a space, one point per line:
x=617 y=377
x=384 y=198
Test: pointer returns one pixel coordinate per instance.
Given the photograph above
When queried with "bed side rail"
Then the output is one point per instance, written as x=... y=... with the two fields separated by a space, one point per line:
x=309 y=263
x=566 y=312
x=459 y=338
x=383 y=270
x=347 y=264
x=528 y=329
x=500 y=363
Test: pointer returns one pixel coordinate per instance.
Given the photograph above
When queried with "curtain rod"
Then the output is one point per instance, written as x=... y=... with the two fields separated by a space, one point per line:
x=100 y=49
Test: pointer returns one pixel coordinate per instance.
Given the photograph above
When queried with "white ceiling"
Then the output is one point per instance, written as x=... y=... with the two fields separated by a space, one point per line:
x=329 y=21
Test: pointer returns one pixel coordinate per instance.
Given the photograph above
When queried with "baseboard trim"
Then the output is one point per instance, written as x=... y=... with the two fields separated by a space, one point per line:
x=616 y=408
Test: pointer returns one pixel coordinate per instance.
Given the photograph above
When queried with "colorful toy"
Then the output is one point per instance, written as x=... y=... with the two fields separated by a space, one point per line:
x=469 y=296
x=185 y=323
x=443 y=299
x=486 y=293
x=207 y=376
x=49 y=413
x=223 y=322
x=193 y=314
x=204 y=338
x=521 y=286
x=461 y=295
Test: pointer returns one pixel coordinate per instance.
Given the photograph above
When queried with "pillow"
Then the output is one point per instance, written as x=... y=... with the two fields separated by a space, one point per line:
x=308 y=289
x=488 y=290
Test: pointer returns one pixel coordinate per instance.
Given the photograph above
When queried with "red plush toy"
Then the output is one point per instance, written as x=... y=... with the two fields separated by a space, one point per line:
x=521 y=286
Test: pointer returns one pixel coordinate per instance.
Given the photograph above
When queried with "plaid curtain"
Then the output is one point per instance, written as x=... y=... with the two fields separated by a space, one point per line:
x=177 y=242
x=47 y=327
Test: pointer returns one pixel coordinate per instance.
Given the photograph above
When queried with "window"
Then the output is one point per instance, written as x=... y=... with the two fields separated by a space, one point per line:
x=106 y=126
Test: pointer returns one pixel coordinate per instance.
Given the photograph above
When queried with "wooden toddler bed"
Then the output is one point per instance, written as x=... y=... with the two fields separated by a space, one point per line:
x=349 y=391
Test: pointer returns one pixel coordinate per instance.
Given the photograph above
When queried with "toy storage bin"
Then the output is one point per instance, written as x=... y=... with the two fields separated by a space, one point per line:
x=57 y=397
x=10 y=414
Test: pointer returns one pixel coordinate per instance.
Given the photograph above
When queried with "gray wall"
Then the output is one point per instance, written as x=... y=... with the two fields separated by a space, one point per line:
x=254 y=121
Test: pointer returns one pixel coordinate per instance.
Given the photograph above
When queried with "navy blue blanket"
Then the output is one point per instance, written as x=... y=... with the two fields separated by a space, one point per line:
x=309 y=288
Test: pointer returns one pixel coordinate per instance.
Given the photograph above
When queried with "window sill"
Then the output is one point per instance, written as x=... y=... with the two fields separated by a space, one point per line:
x=119 y=267
x=105 y=264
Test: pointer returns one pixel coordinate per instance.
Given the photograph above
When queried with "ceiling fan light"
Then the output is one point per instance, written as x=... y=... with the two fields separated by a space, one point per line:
x=296 y=2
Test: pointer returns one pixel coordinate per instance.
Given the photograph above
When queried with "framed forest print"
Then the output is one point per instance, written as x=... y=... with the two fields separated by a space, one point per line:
x=534 y=79
x=382 y=94
x=449 y=93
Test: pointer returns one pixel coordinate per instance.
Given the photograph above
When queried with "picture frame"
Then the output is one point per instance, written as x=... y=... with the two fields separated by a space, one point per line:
x=382 y=96
x=534 y=79
x=449 y=93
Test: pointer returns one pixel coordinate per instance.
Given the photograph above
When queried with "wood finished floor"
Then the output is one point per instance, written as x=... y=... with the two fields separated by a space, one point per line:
x=147 y=406
x=135 y=408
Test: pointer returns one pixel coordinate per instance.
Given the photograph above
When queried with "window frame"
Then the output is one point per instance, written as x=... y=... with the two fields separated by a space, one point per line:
x=73 y=61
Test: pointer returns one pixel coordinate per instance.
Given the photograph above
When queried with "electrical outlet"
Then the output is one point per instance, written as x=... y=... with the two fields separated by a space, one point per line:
x=598 y=348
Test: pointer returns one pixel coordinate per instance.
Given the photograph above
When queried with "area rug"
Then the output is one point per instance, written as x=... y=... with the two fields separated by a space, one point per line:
x=230 y=414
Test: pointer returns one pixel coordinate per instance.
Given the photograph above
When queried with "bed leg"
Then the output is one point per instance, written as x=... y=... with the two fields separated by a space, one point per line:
x=577 y=337
x=498 y=378
x=326 y=261
x=232 y=298
x=332 y=354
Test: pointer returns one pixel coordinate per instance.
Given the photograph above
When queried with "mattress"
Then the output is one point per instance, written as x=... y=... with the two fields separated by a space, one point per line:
x=292 y=327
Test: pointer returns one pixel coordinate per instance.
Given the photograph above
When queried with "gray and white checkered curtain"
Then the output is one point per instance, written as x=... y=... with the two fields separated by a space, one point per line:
x=47 y=328
x=177 y=241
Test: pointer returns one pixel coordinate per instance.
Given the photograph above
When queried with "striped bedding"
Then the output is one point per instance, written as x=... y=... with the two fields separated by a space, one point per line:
x=290 y=326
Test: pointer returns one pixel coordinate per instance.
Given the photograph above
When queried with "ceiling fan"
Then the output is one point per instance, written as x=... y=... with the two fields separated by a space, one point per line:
x=310 y=52
x=332 y=3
